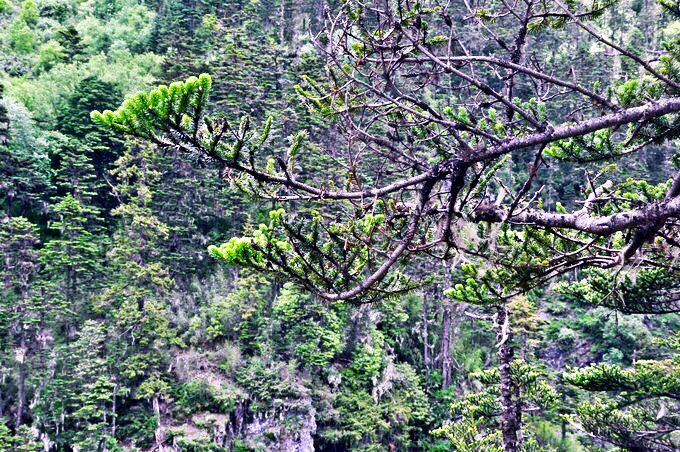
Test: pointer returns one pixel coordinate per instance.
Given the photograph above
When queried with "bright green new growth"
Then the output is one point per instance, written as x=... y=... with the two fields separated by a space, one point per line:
x=472 y=292
x=249 y=251
x=162 y=109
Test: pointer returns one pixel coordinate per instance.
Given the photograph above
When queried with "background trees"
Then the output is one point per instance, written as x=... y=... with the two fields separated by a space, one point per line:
x=141 y=340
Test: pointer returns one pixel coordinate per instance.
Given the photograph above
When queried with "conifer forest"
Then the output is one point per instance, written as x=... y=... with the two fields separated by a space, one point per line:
x=339 y=225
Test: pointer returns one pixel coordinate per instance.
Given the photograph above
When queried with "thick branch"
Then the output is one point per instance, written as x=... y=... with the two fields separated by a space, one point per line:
x=643 y=112
x=581 y=221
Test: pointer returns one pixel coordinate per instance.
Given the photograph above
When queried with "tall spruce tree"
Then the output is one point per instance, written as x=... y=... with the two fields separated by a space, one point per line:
x=21 y=307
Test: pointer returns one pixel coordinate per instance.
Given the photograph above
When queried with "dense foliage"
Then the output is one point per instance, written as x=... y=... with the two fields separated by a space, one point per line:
x=171 y=277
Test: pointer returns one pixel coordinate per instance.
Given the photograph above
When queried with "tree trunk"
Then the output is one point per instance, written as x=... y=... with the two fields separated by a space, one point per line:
x=446 y=346
x=282 y=20
x=21 y=358
x=510 y=409
x=113 y=412
x=426 y=345
x=2 y=398
x=159 y=430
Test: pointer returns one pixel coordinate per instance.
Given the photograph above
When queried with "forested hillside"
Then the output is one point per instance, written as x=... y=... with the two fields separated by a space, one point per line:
x=304 y=225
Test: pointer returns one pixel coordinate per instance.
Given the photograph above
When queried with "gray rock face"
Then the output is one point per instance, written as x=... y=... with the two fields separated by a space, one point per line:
x=282 y=430
x=288 y=431
x=277 y=415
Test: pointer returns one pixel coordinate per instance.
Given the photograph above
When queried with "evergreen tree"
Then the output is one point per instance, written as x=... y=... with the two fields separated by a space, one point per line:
x=22 y=309
x=25 y=169
x=90 y=145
